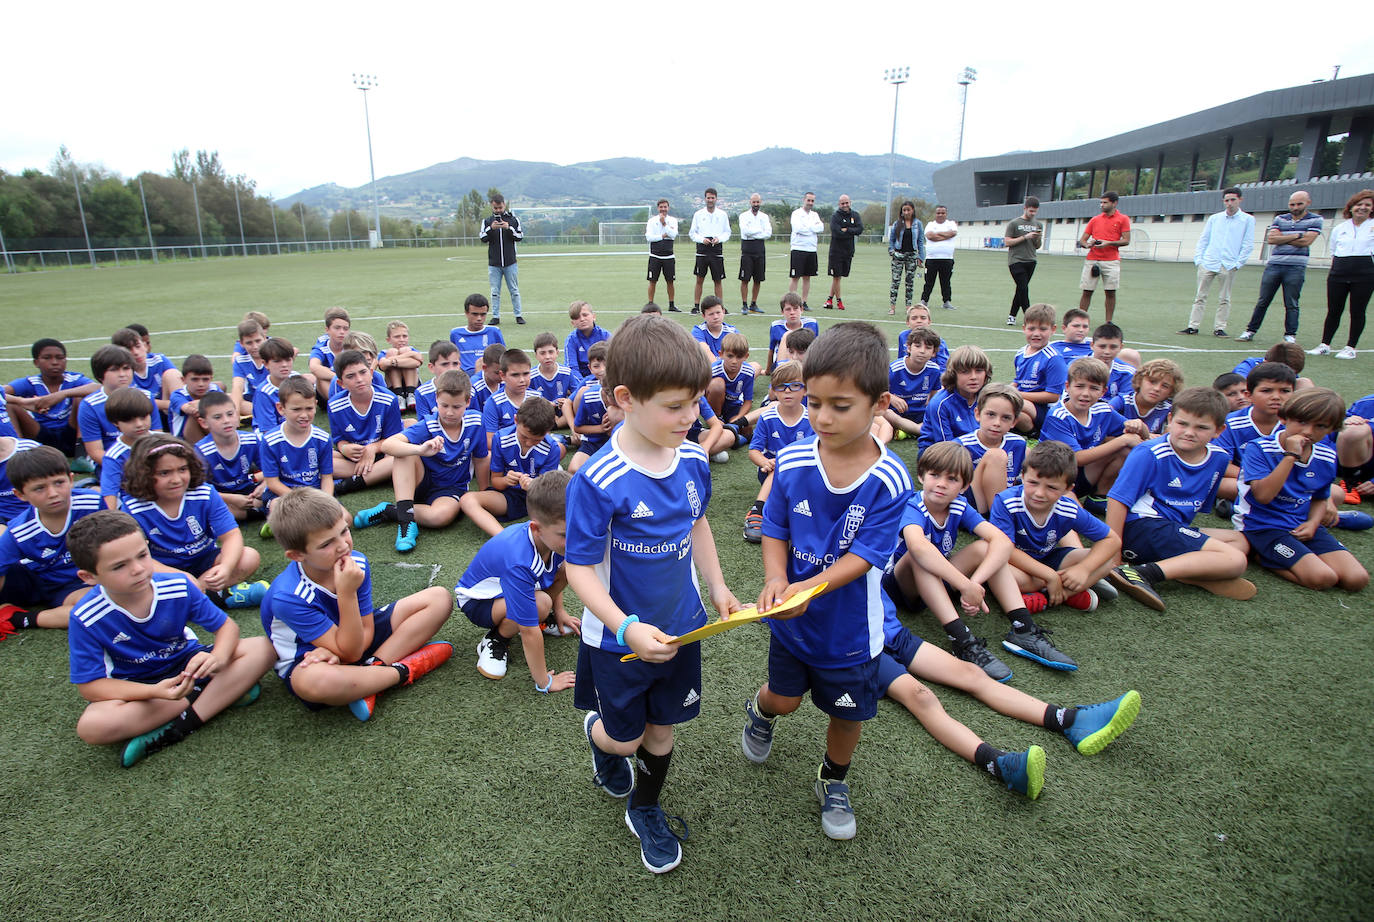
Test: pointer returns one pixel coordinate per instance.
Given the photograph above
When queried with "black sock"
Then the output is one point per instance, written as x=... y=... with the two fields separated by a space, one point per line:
x=186 y=723
x=254 y=515
x=958 y=632
x=23 y=620
x=831 y=771
x=1150 y=572
x=1058 y=719
x=215 y=597
x=404 y=511
x=352 y=484
x=757 y=507
x=753 y=304
x=744 y=305
x=672 y=303
x=759 y=710
x=403 y=671
x=985 y=757
x=1021 y=620
x=653 y=771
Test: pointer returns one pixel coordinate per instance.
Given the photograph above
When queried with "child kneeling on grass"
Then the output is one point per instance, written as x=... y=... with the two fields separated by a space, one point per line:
x=146 y=676
x=332 y=646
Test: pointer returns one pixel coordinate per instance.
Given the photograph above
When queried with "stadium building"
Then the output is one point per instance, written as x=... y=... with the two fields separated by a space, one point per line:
x=1315 y=137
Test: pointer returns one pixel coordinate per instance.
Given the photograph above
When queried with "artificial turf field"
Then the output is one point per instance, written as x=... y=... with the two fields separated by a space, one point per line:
x=1242 y=791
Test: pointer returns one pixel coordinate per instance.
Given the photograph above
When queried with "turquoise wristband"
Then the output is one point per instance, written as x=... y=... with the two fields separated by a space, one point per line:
x=547 y=686
x=620 y=634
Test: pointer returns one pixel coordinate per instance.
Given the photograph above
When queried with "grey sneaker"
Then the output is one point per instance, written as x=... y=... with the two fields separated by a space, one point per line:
x=949 y=307
x=837 y=816
x=976 y=652
x=1034 y=644
x=757 y=738
x=1245 y=337
x=1105 y=591
x=1128 y=579
x=1290 y=338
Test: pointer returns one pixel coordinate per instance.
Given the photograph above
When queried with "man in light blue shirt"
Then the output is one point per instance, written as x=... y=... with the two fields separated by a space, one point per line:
x=1226 y=242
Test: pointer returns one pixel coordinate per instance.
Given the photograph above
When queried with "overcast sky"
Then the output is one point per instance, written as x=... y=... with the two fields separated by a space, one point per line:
x=269 y=85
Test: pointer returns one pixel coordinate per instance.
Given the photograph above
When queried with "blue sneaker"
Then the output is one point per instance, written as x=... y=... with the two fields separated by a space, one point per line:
x=757 y=738
x=249 y=697
x=144 y=745
x=406 y=537
x=1354 y=520
x=1097 y=505
x=613 y=774
x=1023 y=772
x=363 y=707
x=245 y=595
x=371 y=515
x=1096 y=725
x=659 y=845
x=837 y=816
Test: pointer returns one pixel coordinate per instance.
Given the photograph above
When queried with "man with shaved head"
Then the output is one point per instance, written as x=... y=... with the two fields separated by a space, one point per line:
x=1291 y=235
x=845 y=228
x=754 y=228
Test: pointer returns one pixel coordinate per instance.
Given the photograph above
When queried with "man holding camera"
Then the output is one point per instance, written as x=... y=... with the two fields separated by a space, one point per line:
x=1104 y=236
x=501 y=230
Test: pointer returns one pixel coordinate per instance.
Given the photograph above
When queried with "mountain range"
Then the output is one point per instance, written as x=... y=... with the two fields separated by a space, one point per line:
x=776 y=173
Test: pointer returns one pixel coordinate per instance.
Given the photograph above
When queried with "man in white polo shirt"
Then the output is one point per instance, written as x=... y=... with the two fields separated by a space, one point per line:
x=806 y=230
x=754 y=228
x=710 y=230
x=940 y=235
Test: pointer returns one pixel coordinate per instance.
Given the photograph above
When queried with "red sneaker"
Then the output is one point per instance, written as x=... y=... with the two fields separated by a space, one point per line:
x=1083 y=601
x=1035 y=602
x=839 y=302
x=1351 y=498
x=426 y=659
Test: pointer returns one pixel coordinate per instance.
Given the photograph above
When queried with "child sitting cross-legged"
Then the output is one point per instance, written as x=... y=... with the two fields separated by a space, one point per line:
x=1099 y=436
x=1151 y=396
x=781 y=423
x=519 y=453
x=147 y=679
x=912 y=380
x=360 y=419
x=232 y=460
x=997 y=451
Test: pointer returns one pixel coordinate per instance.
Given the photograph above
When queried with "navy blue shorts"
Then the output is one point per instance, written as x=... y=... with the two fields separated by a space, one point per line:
x=1055 y=558
x=849 y=694
x=587 y=448
x=26 y=590
x=1276 y=549
x=1082 y=488
x=479 y=612
x=630 y=696
x=198 y=564
x=427 y=492
x=381 y=632
x=1148 y=540
x=515 y=506
x=896 y=658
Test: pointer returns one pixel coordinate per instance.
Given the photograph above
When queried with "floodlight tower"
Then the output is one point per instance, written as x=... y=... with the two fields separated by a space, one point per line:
x=895 y=76
x=365 y=82
x=967 y=76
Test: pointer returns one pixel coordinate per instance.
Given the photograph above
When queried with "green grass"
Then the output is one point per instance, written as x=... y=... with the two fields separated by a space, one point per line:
x=1242 y=791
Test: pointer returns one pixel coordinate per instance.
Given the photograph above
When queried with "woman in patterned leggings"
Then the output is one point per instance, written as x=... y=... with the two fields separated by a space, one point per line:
x=906 y=244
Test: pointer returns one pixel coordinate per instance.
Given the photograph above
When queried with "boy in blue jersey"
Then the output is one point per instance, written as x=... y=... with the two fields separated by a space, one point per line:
x=1232 y=386
x=791 y=307
x=519 y=453
x=731 y=391
x=231 y=457
x=1163 y=485
x=832 y=518
x=1355 y=450
x=997 y=452
x=637 y=533
x=1106 y=348
x=38 y=581
x=154 y=373
x=515 y=586
x=554 y=382
x=443 y=356
x=11 y=505
x=1075 y=344
x=182 y=410
x=278 y=355
x=42 y=405
x=929 y=566
x=1152 y=392
x=400 y=363
x=1048 y=560
x=918 y=318
x=133 y=656
x=499 y=411
x=360 y=419
x=248 y=370
x=333 y=647
x=593 y=420
x=473 y=338
x=435 y=459
x=953 y=411
x=1099 y=436
x=486 y=380
x=296 y=453
x=131 y=411
x=912 y=380
x=1289 y=354
x=780 y=424
x=327 y=348
x=113 y=367
x=585 y=334
x=359 y=341
x=1268 y=384
x=1285 y=503
x=712 y=328
x=1039 y=369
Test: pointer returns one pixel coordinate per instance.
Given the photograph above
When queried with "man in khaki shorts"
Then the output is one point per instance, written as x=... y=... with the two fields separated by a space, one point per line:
x=1104 y=236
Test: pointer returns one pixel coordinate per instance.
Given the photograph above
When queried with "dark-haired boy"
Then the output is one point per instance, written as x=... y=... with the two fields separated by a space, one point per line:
x=473 y=338
x=792 y=319
x=486 y=380
x=1106 y=345
x=183 y=405
x=360 y=418
x=832 y=518
x=731 y=391
x=519 y=453
x=1232 y=386
x=41 y=405
x=154 y=373
x=912 y=380
x=443 y=356
x=248 y=370
x=499 y=411
x=1268 y=384
x=133 y=656
x=113 y=367
x=1099 y=436
x=131 y=411
x=332 y=646
x=554 y=382
x=232 y=457
x=1075 y=344
x=278 y=355
x=713 y=328
x=327 y=348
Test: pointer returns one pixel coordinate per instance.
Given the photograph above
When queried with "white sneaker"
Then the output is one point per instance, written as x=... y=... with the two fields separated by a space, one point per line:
x=1290 y=339
x=720 y=457
x=1011 y=321
x=1346 y=353
x=1245 y=337
x=1323 y=349
x=491 y=658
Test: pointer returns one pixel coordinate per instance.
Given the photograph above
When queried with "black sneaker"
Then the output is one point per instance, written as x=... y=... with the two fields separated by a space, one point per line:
x=1188 y=331
x=696 y=308
x=145 y=744
x=1220 y=334
x=1034 y=644
x=1224 y=509
x=1128 y=579
x=673 y=309
x=520 y=320
x=976 y=652
x=805 y=306
x=494 y=322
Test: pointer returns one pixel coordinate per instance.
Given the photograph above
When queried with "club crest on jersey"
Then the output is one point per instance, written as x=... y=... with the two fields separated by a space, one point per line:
x=853 y=520
x=194 y=526
x=694 y=499
x=314 y=457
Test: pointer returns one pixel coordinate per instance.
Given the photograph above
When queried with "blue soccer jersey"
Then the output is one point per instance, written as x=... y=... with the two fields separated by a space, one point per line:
x=427 y=400
x=499 y=411
x=112 y=467
x=6 y=424
x=106 y=642
x=59 y=414
x=303 y=465
x=635 y=528
x=1241 y=429
x=266 y=416
x=576 y=346
x=509 y=567
x=564 y=383
x=1062 y=426
x=507 y=457
x=1153 y=419
x=960 y=516
x=1012 y=443
x=737 y=389
x=702 y=334
x=779 y=329
x=1305 y=484
x=92 y=421
x=915 y=387
x=1038 y=371
x=380 y=419
x=322 y=351
x=187 y=535
x=1155 y=483
x=378 y=384
x=253 y=373
x=772 y=433
x=821 y=523
x=1122 y=380
x=1070 y=352
x=11 y=505
x=150 y=381
x=591 y=411
x=1011 y=517
x=232 y=473
x=948 y=416
x=941 y=358
x=297 y=611
x=471 y=345
x=481 y=392
x=180 y=397
x=1247 y=365
x=451 y=468
x=1363 y=408
x=28 y=542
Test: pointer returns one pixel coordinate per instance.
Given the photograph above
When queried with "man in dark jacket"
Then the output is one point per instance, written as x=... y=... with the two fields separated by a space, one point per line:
x=501 y=231
x=845 y=226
